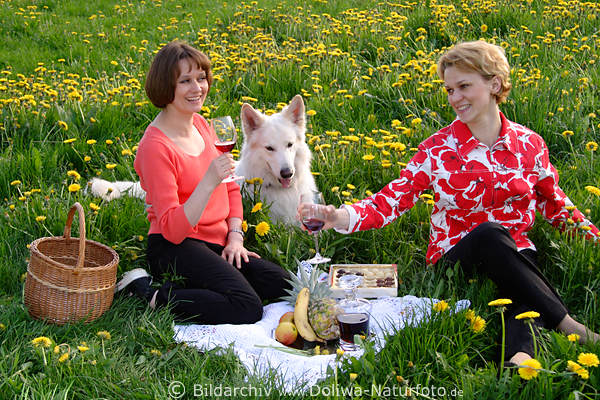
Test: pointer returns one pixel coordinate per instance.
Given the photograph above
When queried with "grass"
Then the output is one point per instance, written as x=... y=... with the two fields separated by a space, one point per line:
x=72 y=99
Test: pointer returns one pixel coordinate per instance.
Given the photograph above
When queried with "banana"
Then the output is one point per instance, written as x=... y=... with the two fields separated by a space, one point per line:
x=301 y=317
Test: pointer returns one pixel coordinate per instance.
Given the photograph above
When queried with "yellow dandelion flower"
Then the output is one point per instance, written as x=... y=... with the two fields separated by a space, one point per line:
x=63 y=125
x=335 y=189
x=110 y=165
x=573 y=337
x=500 y=302
x=103 y=335
x=311 y=113
x=126 y=152
x=573 y=366
x=262 y=228
x=350 y=186
x=40 y=218
x=74 y=174
x=470 y=315
x=108 y=141
x=339 y=352
x=63 y=358
x=530 y=369
x=440 y=306
x=82 y=348
x=71 y=140
x=87 y=158
x=478 y=324
x=416 y=122
x=91 y=141
x=15 y=182
x=257 y=207
x=588 y=359
x=591 y=146
x=484 y=28
x=593 y=190
x=245 y=226
x=583 y=373
x=368 y=157
x=94 y=207
x=2 y=327
x=568 y=133
x=353 y=376
x=156 y=352
x=42 y=341
x=528 y=315
x=56 y=349
x=74 y=187
x=346 y=193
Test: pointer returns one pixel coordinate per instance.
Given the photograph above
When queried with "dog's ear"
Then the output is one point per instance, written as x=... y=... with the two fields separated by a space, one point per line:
x=251 y=119
x=295 y=111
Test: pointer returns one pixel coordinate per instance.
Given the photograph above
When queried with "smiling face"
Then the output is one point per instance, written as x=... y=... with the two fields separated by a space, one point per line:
x=191 y=88
x=471 y=95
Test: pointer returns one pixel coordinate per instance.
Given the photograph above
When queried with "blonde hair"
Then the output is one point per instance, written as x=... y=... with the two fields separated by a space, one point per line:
x=487 y=59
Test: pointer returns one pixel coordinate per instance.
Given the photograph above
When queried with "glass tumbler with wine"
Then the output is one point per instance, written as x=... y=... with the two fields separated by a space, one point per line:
x=226 y=139
x=354 y=313
x=313 y=222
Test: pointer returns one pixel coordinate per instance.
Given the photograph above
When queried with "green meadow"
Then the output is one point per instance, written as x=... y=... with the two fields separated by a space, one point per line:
x=73 y=107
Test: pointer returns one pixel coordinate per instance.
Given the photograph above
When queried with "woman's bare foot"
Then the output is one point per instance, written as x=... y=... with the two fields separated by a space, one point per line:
x=568 y=326
x=519 y=357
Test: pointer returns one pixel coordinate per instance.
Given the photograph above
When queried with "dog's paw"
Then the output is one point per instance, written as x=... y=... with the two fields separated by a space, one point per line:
x=104 y=189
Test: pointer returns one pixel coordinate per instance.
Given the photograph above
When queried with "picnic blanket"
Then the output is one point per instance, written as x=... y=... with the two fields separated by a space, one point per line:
x=297 y=372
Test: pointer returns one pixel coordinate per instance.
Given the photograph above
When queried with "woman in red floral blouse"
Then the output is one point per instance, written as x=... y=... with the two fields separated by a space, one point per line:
x=489 y=176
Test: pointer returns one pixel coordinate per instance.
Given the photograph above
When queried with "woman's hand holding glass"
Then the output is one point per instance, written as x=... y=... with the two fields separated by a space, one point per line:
x=221 y=167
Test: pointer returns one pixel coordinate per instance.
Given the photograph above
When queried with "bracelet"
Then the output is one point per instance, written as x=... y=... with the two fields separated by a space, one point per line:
x=241 y=232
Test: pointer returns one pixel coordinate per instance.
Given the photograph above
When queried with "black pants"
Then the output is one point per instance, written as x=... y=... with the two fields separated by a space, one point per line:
x=491 y=251
x=209 y=290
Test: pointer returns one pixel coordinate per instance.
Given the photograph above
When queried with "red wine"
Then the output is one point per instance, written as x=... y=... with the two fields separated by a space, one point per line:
x=225 y=146
x=313 y=225
x=353 y=324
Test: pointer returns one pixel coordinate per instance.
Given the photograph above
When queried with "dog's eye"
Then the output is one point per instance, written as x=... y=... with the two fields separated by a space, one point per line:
x=290 y=144
x=269 y=148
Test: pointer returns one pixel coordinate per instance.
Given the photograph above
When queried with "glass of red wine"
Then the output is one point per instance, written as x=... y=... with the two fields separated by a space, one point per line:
x=226 y=139
x=313 y=222
x=354 y=313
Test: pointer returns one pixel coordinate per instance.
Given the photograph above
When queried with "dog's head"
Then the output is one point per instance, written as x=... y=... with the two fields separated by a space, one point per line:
x=276 y=140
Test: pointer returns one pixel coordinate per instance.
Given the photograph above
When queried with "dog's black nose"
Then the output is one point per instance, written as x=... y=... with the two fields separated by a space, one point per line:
x=286 y=173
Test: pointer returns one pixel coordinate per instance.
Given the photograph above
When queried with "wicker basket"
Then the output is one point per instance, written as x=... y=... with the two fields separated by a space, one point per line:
x=70 y=279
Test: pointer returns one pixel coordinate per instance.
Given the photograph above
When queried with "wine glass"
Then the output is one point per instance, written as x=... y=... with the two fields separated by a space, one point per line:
x=226 y=139
x=354 y=313
x=312 y=220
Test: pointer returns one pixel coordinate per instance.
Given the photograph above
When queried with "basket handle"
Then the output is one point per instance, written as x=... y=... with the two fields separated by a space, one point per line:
x=67 y=234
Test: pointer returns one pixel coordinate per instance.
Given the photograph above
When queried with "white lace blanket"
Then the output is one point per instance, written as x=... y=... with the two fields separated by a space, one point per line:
x=296 y=372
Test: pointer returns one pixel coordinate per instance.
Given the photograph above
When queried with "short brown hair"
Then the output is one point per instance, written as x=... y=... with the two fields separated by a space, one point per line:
x=164 y=71
x=484 y=58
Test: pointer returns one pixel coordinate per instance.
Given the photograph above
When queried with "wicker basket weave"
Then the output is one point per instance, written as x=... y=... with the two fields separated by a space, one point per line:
x=70 y=279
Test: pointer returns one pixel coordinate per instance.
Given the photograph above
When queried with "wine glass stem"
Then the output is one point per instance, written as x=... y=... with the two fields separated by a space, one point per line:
x=317 y=255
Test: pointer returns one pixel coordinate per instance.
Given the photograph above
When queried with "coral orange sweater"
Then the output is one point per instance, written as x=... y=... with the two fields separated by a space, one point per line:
x=169 y=176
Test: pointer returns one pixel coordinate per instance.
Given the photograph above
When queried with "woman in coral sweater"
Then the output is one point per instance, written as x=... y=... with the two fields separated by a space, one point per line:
x=195 y=219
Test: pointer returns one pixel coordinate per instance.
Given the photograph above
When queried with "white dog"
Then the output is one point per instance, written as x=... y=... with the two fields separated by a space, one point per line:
x=274 y=150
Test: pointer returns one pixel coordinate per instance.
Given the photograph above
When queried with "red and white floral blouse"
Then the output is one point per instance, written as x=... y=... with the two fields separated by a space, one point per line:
x=473 y=184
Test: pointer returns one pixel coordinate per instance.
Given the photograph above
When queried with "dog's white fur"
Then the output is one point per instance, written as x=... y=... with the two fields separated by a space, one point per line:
x=274 y=150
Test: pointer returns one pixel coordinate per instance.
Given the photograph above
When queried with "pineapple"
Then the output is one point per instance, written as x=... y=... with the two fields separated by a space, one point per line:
x=322 y=309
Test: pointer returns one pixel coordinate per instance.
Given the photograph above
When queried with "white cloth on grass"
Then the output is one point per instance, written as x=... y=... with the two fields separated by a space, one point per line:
x=295 y=372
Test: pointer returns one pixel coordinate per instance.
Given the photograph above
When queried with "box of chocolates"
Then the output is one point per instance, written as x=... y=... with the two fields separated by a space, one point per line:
x=379 y=280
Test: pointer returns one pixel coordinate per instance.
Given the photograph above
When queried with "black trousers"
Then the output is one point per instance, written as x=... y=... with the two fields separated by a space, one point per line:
x=489 y=250
x=208 y=289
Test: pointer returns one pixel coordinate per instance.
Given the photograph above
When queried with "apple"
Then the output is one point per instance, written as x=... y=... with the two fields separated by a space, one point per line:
x=286 y=333
x=287 y=317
